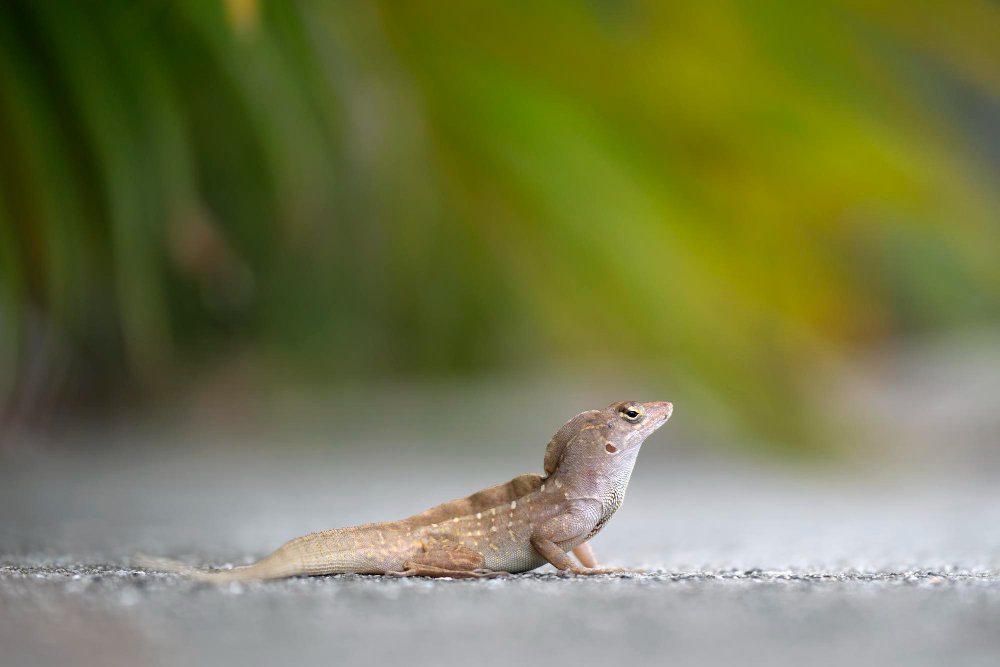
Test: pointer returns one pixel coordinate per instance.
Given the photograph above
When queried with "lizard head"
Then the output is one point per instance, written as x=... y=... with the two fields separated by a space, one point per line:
x=608 y=437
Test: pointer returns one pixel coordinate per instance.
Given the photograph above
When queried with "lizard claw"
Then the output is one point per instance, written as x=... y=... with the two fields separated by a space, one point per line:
x=417 y=570
x=402 y=573
x=490 y=574
x=591 y=571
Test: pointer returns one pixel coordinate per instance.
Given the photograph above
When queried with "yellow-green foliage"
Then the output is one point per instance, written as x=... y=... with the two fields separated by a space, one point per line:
x=722 y=193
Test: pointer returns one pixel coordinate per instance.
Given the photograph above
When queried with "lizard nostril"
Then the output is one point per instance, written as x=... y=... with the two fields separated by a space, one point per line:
x=610 y=448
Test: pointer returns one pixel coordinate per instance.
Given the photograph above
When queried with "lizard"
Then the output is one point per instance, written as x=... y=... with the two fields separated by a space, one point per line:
x=508 y=528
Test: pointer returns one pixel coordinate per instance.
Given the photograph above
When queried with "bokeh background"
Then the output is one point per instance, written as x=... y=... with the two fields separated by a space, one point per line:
x=782 y=216
x=271 y=267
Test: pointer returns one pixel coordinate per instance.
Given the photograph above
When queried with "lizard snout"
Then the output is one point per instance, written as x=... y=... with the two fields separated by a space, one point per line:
x=661 y=409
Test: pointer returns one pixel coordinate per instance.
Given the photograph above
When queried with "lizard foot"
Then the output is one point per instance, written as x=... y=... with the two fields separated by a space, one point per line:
x=418 y=570
x=491 y=574
x=590 y=571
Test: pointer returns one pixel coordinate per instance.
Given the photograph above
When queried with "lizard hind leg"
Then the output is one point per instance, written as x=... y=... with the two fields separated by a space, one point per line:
x=418 y=570
x=447 y=560
x=585 y=554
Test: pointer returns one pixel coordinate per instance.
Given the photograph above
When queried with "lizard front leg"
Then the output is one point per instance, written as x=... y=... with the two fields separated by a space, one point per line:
x=576 y=522
x=585 y=554
x=554 y=554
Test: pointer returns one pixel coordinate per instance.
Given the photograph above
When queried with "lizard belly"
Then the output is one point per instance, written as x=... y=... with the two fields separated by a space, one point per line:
x=514 y=559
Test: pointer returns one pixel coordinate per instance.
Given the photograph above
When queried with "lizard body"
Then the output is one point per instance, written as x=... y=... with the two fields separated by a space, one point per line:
x=512 y=527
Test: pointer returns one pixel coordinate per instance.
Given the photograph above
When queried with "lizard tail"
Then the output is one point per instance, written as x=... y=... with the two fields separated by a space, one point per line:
x=275 y=566
x=328 y=552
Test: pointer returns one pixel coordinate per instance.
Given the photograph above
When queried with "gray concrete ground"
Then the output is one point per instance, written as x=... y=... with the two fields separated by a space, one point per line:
x=751 y=565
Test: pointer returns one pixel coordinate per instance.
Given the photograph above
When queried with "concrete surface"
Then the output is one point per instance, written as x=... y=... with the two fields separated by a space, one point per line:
x=750 y=565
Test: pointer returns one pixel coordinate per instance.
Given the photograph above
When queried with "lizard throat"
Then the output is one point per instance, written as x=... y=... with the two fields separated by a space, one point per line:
x=609 y=490
x=611 y=500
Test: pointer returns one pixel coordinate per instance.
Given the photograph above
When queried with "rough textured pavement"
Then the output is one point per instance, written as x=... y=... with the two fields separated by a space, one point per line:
x=752 y=565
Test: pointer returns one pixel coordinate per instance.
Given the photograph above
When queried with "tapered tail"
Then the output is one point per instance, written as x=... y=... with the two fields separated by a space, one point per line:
x=270 y=567
x=328 y=552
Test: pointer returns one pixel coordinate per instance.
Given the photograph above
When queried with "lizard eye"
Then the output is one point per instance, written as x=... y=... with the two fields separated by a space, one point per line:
x=633 y=413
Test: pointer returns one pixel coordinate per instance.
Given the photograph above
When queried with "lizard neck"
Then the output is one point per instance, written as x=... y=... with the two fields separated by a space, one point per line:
x=606 y=485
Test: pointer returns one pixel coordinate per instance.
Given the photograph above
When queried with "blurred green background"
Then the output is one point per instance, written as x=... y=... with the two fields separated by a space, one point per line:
x=724 y=199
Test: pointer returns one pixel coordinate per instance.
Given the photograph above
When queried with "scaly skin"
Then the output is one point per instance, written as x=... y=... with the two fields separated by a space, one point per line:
x=513 y=527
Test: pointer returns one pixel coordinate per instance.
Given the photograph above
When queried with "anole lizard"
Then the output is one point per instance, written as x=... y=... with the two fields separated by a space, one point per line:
x=512 y=527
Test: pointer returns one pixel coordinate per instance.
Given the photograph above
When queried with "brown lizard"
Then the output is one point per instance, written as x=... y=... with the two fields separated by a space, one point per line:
x=513 y=527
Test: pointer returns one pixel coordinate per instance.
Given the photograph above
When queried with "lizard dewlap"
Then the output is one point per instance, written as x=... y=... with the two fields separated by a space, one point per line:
x=513 y=527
